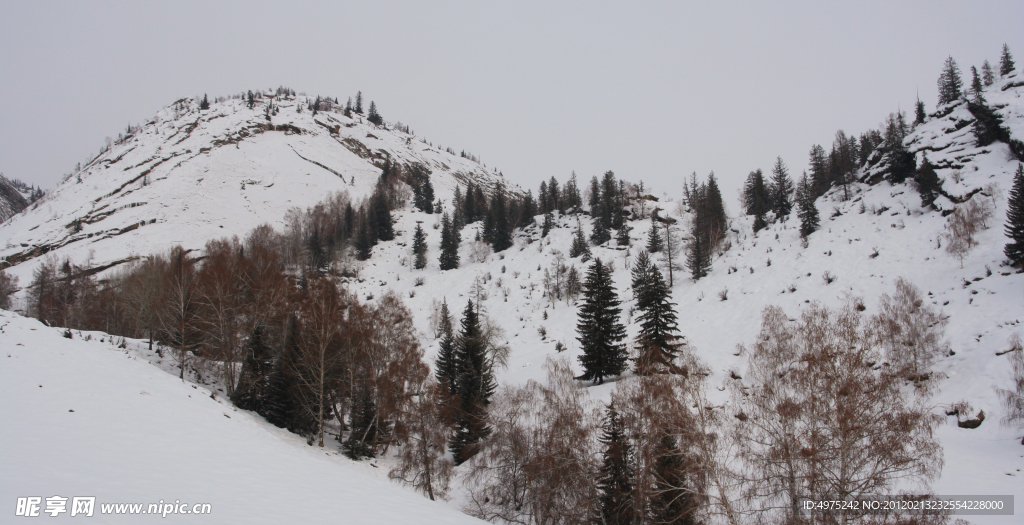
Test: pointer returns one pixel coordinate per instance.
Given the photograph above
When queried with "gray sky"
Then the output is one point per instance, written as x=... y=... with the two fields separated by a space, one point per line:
x=650 y=90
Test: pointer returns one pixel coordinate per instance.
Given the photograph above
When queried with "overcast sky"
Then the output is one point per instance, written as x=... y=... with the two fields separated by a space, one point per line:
x=652 y=91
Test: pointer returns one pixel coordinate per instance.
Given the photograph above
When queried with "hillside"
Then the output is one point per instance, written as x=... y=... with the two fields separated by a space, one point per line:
x=188 y=175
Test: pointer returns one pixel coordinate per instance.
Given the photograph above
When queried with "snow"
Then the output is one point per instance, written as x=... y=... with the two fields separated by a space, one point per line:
x=84 y=418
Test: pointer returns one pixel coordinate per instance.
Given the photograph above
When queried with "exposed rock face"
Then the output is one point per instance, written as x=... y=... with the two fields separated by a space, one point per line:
x=11 y=200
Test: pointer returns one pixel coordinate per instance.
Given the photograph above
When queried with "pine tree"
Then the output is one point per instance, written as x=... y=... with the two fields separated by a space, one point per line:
x=363 y=425
x=501 y=234
x=250 y=102
x=542 y=197
x=758 y=199
x=976 y=87
x=622 y=234
x=640 y=275
x=204 y=104
x=475 y=386
x=919 y=113
x=615 y=478
x=714 y=207
x=698 y=256
x=1006 y=65
x=528 y=210
x=599 y=234
x=549 y=222
x=927 y=183
x=449 y=259
x=782 y=188
x=807 y=210
x=282 y=406
x=599 y=328
x=419 y=247
x=381 y=214
x=658 y=341
x=554 y=196
x=359 y=102
x=445 y=367
x=373 y=116
x=654 y=242
x=987 y=76
x=1015 y=220
x=579 y=247
x=364 y=238
x=257 y=366
x=673 y=501
x=949 y=82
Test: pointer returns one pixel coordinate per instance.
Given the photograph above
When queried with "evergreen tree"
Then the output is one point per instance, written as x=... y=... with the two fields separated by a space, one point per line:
x=599 y=234
x=782 y=188
x=1015 y=220
x=363 y=424
x=419 y=247
x=359 y=102
x=611 y=207
x=919 y=113
x=528 y=210
x=501 y=234
x=571 y=195
x=673 y=501
x=475 y=386
x=622 y=234
x=1006 y=65
x=987 y=76
x=364 y=238
x=250 y=102
x=469 y=210
x=549 y=222
x=950 y=84
x=927 y=183
x=449 y=259
x=556 y=200
x=758 y=198
x=615 y=478
x=283 y=406
x=599 y=328
x=901 y=162
x=976 y=87
x=254 y=379
x=654 y=242
x=373 y=116
x=579 y=244
x=640 y=274
x=807 y=210
x=348 y=108
x=698 y=256
x=381 y=215
x=658 y=341
x=542 y=197
x=204 y=104
x=458 y=202
x=711 y=200
x=316 y=255
x=446 y=368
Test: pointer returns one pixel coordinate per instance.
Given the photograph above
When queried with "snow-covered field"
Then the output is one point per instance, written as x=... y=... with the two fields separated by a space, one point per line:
x=85 y=418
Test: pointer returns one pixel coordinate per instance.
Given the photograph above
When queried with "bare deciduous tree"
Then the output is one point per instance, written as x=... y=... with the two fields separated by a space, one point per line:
x=820 y=418
x=910 y=331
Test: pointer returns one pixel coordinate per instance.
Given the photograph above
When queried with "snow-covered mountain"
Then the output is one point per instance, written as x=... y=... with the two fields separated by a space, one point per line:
x=188 y=175
x=11 y=199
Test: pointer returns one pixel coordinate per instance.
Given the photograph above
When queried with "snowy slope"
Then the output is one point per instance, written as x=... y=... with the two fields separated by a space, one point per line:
x=984 y=307
x=83 y=418
x=189 y=175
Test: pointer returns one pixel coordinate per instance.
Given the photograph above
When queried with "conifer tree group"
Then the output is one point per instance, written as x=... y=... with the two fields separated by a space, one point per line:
x=474 y=386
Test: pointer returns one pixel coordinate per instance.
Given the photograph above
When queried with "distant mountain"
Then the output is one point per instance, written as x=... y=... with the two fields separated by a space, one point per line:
x=189 y=174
